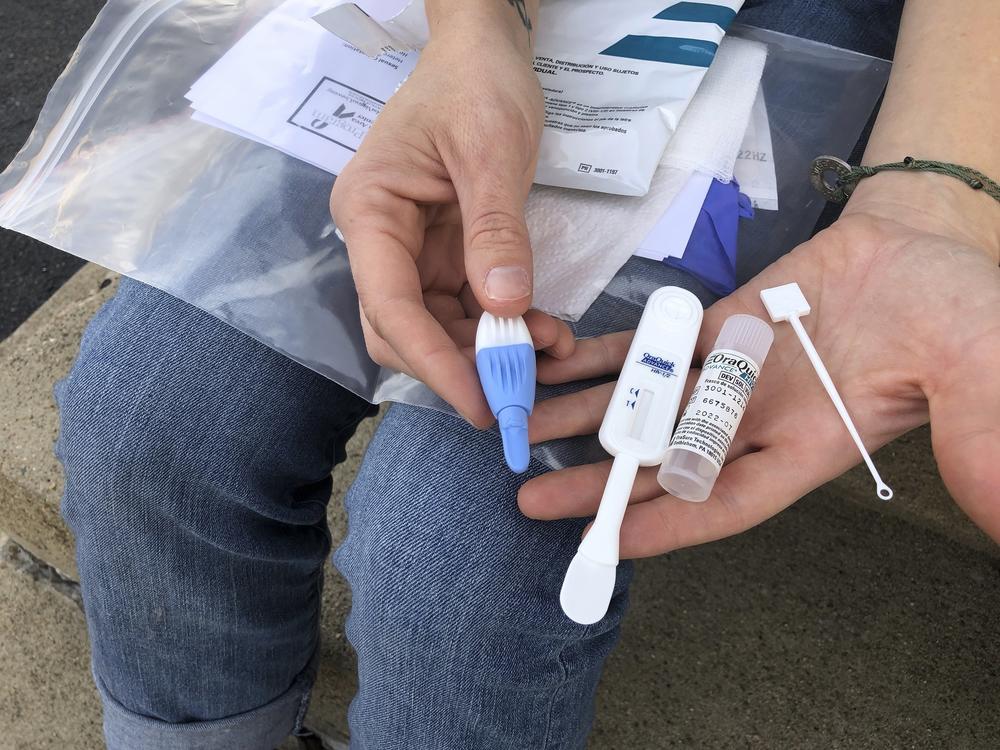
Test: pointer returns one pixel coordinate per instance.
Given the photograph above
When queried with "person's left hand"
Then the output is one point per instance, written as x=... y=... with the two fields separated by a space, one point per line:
x=906 y=314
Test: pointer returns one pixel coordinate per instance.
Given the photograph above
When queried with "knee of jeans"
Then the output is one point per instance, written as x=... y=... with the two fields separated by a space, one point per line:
x=437 y=550
x=118 y=463
x=169 y=412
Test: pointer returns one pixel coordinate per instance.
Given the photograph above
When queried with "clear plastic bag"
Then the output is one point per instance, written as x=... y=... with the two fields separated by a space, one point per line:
x=118 y=173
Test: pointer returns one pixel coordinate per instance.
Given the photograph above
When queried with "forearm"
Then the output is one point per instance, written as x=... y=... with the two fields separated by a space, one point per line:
x=942 y=103
x=511 y=19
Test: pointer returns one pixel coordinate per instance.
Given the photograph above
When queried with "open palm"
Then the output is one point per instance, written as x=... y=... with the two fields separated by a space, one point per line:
x=908 y=323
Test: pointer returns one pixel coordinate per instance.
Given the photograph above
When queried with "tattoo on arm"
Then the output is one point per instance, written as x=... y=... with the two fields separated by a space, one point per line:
x=522 y=12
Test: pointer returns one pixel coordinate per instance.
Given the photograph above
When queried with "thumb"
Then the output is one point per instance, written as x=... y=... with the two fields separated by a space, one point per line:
x=498 y=261
x=965 y=432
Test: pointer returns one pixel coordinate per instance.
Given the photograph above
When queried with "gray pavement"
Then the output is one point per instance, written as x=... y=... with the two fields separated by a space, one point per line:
x=37 y=38
x=831 y=626
x=47 y=700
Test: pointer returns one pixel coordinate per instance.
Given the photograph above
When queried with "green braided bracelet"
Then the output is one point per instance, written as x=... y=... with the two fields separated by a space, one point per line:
x=848 y=177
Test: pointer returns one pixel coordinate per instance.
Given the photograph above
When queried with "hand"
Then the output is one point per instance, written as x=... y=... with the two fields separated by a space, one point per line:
x=432 y=211
x=906 y=313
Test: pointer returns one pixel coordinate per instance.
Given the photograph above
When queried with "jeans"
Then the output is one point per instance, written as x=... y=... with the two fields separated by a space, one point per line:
x=198 y=470
x=198 y=466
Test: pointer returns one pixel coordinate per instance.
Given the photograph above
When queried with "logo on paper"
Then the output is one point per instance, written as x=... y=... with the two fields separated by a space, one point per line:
x=337 y=113
x=677 y=50
x=340 y=113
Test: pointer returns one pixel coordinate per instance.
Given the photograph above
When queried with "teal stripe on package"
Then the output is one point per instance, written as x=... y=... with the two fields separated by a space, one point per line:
x=720 y=15
x=665 y=49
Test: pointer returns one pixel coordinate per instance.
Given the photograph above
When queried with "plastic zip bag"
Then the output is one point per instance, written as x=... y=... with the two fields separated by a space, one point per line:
x=116 y=172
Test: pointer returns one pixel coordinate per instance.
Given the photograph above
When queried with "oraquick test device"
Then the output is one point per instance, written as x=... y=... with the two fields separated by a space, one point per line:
x=636 y=431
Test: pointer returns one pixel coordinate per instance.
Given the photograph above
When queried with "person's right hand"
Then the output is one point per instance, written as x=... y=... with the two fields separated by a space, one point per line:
x=432 y=211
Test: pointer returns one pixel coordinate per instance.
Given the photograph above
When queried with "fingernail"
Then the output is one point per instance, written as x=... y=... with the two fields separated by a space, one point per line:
x=506 y=283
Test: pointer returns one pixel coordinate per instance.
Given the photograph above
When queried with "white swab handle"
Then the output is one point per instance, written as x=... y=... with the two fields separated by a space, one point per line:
x=787 y=302
x=601 y=542
x=884 y=491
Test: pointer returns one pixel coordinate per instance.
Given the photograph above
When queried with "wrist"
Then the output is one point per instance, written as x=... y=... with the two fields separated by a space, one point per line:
x=934 y=203
x=487 y=20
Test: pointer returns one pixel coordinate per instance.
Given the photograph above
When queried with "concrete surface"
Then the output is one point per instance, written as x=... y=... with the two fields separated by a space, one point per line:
x=907 y=464
x=32 y=359
x=833 y=625
x=47 y=700
x=843 y=623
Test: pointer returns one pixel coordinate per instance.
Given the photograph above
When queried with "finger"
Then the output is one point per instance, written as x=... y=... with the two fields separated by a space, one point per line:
x=547 y=333
x=444 y=307
x=965 y=433
x=469 y=303
x=383 y=354
x=380 y=237
x=498 y=261
x=380 y=351
x=463 y=332
x=469 y=352
x=576 y=492
x=574 y=414
x=551 y=335
x=448 y=311
x=749 y=491
x=592 y=358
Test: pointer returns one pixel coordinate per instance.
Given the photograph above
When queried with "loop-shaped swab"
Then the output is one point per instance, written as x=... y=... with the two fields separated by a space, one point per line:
x=787 y=302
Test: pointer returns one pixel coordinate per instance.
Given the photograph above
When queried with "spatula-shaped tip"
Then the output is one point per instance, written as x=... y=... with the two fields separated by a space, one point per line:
x=586 y=590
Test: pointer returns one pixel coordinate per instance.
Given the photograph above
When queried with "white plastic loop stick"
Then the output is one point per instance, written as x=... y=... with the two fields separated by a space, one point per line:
x=636 y=431
x=789 y=303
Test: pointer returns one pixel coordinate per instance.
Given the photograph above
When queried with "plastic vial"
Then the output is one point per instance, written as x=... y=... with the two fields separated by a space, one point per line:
x=702 y=439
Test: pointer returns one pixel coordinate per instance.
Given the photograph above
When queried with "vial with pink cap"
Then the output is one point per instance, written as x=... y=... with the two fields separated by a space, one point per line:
x=702 y=439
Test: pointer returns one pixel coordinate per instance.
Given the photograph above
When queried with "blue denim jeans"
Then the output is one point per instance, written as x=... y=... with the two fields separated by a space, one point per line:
x=198 y=471
x=198 y=466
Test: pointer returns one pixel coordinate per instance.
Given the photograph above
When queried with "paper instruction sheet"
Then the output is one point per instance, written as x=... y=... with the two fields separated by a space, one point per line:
x=670 y=236
x=291 y=84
